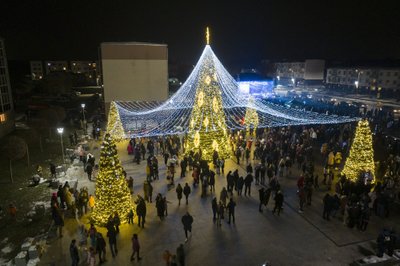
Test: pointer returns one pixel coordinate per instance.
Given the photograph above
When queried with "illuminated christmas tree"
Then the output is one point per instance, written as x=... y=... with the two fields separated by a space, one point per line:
x=112 y=193
x=251 y=118
x=114 y=125
x=207 y=125
x=361 y=157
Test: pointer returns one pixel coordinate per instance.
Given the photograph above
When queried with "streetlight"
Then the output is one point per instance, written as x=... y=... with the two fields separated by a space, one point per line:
x=60 y=131
x=83 y=115
x=357 y=82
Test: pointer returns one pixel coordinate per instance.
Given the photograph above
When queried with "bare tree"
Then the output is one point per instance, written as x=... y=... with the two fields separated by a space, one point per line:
x=15 y=149
x=60 y=113
x=51 y=117
x=39 y=128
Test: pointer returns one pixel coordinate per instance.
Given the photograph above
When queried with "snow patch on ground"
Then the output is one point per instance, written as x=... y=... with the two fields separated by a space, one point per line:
x=7 y=249
x=4 y=262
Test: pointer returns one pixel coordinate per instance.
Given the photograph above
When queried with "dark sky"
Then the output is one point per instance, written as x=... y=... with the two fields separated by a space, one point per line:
x=243 y=32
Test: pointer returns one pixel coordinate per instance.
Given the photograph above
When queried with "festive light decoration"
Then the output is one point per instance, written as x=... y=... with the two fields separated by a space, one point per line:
x=207 y=36
x=114 y=125
x=174 y=116
x=251 y=118
x=112 y=192
x=361 y=157
x=207 y=131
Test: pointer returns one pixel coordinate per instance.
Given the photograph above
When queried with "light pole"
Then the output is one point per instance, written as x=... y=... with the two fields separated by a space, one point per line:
x=357 y=82
x=84 y=118
x=60 y=131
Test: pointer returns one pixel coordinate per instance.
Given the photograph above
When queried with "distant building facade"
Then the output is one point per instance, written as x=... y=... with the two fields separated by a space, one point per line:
x=87 y=68
x=6 y=103
x=364 y=78
x=54 y=66
x=300 y=72
x=134 y=71
x=36 y=70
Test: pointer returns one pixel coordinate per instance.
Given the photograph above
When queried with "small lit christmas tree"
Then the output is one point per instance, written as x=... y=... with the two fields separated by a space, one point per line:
x=112 y=193
x=114 y=125
x=251 y=119
x=361 y=157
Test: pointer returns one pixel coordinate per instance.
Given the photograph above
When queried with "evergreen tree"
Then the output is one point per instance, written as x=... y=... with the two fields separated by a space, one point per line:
x=114 y=125
x=207 y=127
x=251 y=118
x=361 y=157
x=112 y=193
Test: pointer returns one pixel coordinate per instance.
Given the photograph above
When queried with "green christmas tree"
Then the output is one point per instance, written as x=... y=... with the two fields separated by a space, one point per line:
x=251 y=119
x=114 y=125
x=361 y=157
x=207 y=127
x=112 y=193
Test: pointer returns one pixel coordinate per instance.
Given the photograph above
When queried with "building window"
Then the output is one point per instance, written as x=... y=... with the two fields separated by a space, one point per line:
x=2 y=118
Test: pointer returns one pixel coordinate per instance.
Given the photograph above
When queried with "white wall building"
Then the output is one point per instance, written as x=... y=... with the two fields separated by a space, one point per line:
x=134 y=71
x=371 y=78
x=310 y=70
x=6 y=103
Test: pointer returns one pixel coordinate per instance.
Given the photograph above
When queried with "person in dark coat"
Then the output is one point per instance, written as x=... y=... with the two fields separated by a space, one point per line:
x=74 y=253
x=101 y=247
x=179 y=191
x=247 y=184
x=187 y=221
x=386 y=242
x=186 y=192
x=52 y=170
x=135 y=247
x=262 y=174
x=180 y=255
x=249 y=168
x=183 y=167
x=261 y=193
x=235 y=178
x=278 y=202
x=230 y=183
x=267 y=195
x=112 y=236
x=211 y=181
x=117 y=222
x=327 y=200
x=89 y=170
x=214 y=206
x=231 y=210
x=61 y=196
x=240 y=184
x=160 y=206
x=141 y=211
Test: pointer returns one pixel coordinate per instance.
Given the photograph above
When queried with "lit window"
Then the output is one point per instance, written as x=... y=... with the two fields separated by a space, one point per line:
x=2 y=118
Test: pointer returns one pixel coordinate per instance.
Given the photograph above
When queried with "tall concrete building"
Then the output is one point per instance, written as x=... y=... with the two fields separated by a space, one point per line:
x=134 y=71
x=6 y=103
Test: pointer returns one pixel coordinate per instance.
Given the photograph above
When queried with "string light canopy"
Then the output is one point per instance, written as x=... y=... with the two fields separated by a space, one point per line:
x=143 y=119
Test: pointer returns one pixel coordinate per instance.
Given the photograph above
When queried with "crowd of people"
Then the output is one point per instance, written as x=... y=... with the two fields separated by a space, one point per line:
x=268 y=157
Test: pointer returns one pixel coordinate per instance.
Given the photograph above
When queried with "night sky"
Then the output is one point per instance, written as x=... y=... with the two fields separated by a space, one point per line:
x=242 y=32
